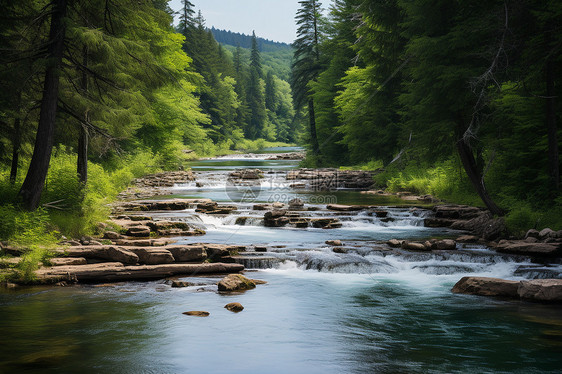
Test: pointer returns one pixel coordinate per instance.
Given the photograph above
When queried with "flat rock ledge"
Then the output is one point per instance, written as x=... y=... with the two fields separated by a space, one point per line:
x=117 y=272
x=538 y=290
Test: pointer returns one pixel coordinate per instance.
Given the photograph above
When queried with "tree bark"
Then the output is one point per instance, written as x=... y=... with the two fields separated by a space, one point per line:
x=82 y=165
x=475 y=177
x=16 y=145
x=34 y=183
x=312 y=122
x=553 y=152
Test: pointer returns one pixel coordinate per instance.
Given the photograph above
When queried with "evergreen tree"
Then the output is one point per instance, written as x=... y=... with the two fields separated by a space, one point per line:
x=306 y=62
x=256 y=99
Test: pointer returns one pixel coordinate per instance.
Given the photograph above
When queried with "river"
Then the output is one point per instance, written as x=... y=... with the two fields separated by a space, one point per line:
x=321 y=312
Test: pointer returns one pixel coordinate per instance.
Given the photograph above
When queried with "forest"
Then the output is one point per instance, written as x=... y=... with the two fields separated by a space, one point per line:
x=459 y=99
x=98 y=93
x=455 y=99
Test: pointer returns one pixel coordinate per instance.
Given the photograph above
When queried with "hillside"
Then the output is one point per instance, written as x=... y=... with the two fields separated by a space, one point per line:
x=275 y=56
x=226 y=37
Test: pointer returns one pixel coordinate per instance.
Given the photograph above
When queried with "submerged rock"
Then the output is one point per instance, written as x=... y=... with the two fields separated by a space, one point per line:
x=234 y=307
x=335 y=243
x=197 y=313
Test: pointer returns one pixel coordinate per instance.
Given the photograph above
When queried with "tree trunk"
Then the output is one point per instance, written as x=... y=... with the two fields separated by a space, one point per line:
x=35 y=180
x=553 y=154
x=312 y=122
x=473 y=173
x=82 y=164
x=16 y=145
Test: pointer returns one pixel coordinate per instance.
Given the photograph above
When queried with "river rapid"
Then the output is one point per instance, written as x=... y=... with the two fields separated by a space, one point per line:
x=360 y=311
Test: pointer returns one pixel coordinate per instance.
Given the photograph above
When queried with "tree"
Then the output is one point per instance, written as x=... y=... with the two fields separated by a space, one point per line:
x=306 y=62
x=454 y=47
x=35 y=180
x=256 y=99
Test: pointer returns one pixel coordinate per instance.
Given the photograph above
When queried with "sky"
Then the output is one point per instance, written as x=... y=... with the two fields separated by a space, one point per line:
x=271 y=19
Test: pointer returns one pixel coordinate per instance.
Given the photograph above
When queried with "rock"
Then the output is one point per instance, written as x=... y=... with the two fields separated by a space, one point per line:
x=541 y=290
x=60 y=261
x=275 y=214
x=260 y=249
x=139 y=232
x=296 y=204
x=380 y=213
x=188 y=253
x=344 y=208
x=150 y=256
x=485 y=226
x=325 y=223
x=235 y=282
x=532 y=233
x=109 y=253
x=216 y=251
x=340 y=250
x=484 y=286
x=234 y=307
x=529 y=249
x=180 y=284
x=117 y=272
x=444 y=245
x=394 y=243
x=336 y=243
x=197 y=314
x=468 y=239
x=545 y=234
x=277 y=205
x=246 y=174
x=413 y=246
x=531 y=239
x=167 y=225
x=241 y=221
x=276 y=218
x=214 y=208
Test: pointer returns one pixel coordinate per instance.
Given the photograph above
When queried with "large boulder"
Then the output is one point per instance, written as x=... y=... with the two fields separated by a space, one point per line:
x=235 y=282
x=541 y=290
x=484 y=286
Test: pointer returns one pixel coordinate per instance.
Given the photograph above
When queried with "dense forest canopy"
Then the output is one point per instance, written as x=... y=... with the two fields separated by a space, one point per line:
x=450 y=97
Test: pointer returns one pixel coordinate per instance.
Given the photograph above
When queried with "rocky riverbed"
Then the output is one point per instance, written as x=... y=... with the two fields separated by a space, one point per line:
x=146 y=238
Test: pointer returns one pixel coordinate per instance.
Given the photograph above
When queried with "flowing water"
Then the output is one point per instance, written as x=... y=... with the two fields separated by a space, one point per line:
x=365 y=310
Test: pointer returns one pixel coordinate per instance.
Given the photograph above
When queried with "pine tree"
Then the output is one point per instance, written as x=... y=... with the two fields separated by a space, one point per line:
x=256 y=99
x=306 y=62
